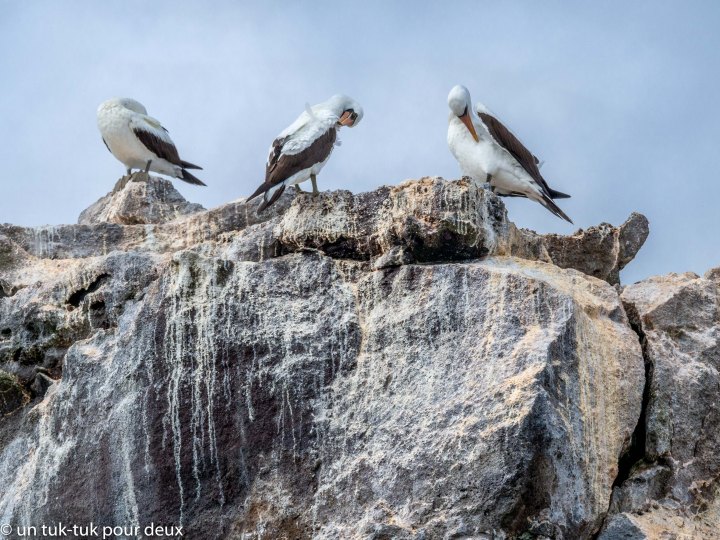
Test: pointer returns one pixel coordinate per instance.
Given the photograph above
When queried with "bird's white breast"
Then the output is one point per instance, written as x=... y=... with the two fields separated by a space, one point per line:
x=475 y=158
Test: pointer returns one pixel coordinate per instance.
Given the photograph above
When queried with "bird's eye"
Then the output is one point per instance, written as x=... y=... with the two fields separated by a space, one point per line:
x=353 y=115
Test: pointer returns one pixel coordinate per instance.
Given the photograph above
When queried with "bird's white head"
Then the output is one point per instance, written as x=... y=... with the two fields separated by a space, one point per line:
x=459 y=100
x=461 y=106
x=348 y=111
x=125 y=103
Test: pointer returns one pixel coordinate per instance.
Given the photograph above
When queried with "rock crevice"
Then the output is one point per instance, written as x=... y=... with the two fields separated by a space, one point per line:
x=635 y=453
x=672 y=486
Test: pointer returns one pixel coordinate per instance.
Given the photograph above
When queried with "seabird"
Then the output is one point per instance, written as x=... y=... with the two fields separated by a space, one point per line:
x=139 y=141
x=300 y=151
x=488 y=152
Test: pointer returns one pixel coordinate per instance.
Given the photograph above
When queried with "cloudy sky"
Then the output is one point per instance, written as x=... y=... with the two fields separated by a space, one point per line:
x=619 y=99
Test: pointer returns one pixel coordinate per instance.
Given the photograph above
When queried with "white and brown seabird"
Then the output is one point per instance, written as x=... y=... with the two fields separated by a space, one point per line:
x=139 y=141
x=299 y=152
x=487 y=151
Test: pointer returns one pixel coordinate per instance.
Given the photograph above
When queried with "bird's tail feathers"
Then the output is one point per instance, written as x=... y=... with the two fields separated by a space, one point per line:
x=188 y=165
x=548 y=203
x=190 y=179
x=274 y=197
x=557 y=194
x=259 y=191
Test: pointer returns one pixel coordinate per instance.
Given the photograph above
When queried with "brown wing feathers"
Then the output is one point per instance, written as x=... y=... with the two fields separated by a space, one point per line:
x=167 y=151
x=274 y=156
x=524 y=157
x=282 y=166
x=275 y=196
x=286 y=165
x=162 y=149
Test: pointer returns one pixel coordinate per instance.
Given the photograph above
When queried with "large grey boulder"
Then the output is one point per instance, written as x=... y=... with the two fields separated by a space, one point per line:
x=673 y=485
x=474 y=407
x=347 y=366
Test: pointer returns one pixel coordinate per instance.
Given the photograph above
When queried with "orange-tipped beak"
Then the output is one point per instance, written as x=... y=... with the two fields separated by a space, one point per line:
x=468 y=124
x=346 y=119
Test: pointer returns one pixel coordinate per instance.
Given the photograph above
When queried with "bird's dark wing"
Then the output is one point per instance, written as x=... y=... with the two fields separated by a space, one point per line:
x=275 y=151
x=281 y=166
x=504 y=137
x=106 y=146
x=161 y=147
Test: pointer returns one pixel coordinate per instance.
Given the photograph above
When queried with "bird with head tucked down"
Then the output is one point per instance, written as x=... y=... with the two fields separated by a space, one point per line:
x=139 y=141
x=303 y=148
x=487 y=151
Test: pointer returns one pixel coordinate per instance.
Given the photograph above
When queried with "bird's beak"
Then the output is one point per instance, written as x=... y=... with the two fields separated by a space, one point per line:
x=346 y=119
x=468 y=124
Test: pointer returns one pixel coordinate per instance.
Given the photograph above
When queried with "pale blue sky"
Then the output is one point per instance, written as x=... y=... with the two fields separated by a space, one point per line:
x=619 y=99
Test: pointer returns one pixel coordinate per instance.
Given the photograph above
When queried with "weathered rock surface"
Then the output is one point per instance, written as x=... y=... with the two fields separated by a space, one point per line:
x=426 y=220
x=431 y=220
x=673 y=486
x=403 y=363
x=139 y=199
x=477 y=414
x=600 y=251
x=12 y=394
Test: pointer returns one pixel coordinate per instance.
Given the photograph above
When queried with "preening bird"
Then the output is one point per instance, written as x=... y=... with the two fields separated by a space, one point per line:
x=139 y=141
x=488 y=152
x=300 y=151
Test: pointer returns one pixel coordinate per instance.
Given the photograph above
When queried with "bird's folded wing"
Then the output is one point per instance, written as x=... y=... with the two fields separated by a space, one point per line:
x=274 y=154
x=287 y=134
x=504 y=137
x=282 y=165
x=155 y=138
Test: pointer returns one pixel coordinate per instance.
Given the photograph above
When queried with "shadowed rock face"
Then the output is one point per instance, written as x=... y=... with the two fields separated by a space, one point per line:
x=403 y=363
x=12 y=394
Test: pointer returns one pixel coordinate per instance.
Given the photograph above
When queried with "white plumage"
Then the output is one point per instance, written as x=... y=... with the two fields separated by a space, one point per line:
x=488 y=152
x=137 y=139
x=301 y=150
x=299 y=135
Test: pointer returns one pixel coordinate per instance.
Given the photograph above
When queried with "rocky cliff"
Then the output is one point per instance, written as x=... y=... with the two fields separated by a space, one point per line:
x=404 y=363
